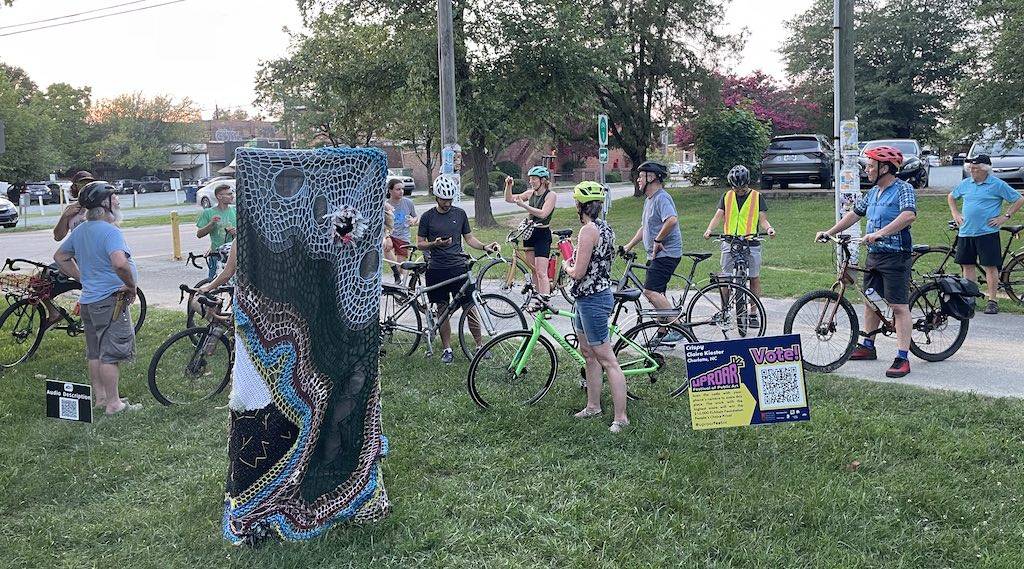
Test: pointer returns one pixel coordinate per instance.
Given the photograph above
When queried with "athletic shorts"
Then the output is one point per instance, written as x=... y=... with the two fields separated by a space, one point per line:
x=753 y=256
x=109 y=337
x=984 y=250
x=540 y=242
x=659 y=273
x=400 y=247
x=889 y=274
x=592 y=314
x=445 y=294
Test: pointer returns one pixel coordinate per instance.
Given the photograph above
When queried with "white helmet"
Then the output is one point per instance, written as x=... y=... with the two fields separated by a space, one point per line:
x=446 y=188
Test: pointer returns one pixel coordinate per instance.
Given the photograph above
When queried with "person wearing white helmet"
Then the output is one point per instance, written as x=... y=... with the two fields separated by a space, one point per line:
x=440 y=234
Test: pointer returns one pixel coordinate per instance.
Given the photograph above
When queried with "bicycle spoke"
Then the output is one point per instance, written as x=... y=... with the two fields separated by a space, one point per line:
x=186 y=373
x=19 y=329
x=493 y=381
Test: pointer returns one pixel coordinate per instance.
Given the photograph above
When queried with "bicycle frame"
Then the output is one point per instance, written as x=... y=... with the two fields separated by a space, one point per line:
x=951 y=254
x=887 y=327
x=629 y=277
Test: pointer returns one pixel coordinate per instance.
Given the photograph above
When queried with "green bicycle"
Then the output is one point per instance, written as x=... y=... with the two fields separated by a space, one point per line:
x=509 y=370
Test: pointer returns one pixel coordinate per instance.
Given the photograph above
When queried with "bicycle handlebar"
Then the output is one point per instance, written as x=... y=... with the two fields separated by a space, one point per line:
x=9 y=264
x=184 y=288
x=193 y=259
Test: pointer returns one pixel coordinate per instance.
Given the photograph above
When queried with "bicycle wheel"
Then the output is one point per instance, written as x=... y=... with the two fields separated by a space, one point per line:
x=649 y=340
x=1013 y=278
x=69 y=301
x=492 y=380
x=501 y=316
x=564 y=285
x=494 y=279
x=401 y=326
x=629 y=316
x=21 y=331
x=192 y=318
x=181 y=373
x=725 y=311
x=927 y=263
x=827 y=343
x=934 y=335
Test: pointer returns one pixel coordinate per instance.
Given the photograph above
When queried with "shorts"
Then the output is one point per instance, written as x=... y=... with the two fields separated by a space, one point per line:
x=592 y=314
x=752 y=255
x=445 y=294
x=659 y=272
x=540 y=242
x=984 y=250
x=400 y=247
x=109 y=338
x=889 y=274
x=213 y=264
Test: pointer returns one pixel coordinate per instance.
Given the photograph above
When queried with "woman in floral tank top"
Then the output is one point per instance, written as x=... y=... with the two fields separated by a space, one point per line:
x=591 y=272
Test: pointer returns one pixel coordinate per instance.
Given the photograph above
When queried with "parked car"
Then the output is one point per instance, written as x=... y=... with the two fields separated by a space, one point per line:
x=8 y=213
x=205 y=196
x=36 y=190
x=915 y=169
x=153 y=184
x=125 y=186
x=797 y=158
x=934 y=161
x=687 y=168
x=408 y=184
x=1007 y=160
x=958 y=158
x=675 y=168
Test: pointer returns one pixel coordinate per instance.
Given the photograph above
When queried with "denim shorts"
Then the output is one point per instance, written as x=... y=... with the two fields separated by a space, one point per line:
x=592 y=315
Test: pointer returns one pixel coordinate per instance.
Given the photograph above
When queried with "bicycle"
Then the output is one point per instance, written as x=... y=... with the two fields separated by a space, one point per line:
x=513 y=278
x=193 y=259
x=402 y=311
x=932 y=260
x=195 y=364
x=822 y=316
x=24 y=320
x=506 y=371
x=411 y=279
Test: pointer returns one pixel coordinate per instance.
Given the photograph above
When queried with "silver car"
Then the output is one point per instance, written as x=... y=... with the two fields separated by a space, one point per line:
x=797 y=158
x=1007 y=161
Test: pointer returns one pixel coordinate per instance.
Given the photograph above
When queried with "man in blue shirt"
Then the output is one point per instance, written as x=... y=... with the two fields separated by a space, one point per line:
x=96 y=255
x=978 y=244
x=891 y=207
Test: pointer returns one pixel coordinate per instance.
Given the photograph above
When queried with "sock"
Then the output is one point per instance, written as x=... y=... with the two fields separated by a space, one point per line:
x=902 y=354
x=868 y=343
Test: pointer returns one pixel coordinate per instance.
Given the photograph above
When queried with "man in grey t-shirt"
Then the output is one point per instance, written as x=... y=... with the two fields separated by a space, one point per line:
x=405 y=217
x=659 y=231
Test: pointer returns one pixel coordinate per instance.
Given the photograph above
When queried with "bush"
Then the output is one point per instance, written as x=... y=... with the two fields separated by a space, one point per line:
x=613 y=177
x=729 y=137
x=496 y=180
x=509 y=168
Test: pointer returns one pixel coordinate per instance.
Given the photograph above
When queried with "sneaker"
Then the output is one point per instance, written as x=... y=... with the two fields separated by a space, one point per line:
x=672 y=337
x=753 y=321
x=861 y=353
x=899 y=368
x=447 y=357
x=992 y=307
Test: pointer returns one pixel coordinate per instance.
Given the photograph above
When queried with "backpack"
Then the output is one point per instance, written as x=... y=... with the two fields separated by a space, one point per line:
x=956 y=296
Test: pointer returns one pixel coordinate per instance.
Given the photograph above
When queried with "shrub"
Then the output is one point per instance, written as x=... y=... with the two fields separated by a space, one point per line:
x=509 y=168
x=613 y=177
x=729 y=137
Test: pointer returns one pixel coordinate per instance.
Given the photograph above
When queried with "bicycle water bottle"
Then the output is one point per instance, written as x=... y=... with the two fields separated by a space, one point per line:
x=552 y=267
x=873 y=296
x=565 y=247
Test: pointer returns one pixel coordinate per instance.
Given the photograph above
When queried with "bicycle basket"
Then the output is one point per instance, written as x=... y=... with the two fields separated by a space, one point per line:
x=523 y=232
x=956 y=296
x=25 y=286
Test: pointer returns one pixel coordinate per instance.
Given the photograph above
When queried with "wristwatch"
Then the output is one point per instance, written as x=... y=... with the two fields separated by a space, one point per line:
x=1007 y=216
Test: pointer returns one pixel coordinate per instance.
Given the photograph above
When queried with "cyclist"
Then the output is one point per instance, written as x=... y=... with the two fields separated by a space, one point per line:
x=72 y=216
x=743 y=211
x=591 y=269
x=983 y=196
x=219 y=222
x=659 y=231
x=891 y=207
x=404 y=218
x=539 y=201
x=441 y=231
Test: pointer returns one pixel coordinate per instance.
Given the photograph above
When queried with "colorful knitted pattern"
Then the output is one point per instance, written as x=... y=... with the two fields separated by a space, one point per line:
x=306 y=442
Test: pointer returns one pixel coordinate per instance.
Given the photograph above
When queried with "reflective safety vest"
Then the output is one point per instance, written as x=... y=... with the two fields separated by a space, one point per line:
x=743 y=220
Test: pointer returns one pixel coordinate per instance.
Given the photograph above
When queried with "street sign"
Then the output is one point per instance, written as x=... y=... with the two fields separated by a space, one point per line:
x=175 y=184
x=602 y=130
x=602 y=155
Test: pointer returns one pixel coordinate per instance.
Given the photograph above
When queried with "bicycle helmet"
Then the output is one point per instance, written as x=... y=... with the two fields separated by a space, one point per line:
x=739 y=176
x=82 y=177
x=446 y=188
x=656 y=168
x=588 y=192
x=886 y=154
x=95 y=194
x=540 y=172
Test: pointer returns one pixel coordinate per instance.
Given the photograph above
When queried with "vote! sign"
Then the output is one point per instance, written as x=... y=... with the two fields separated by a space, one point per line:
x=744 y=382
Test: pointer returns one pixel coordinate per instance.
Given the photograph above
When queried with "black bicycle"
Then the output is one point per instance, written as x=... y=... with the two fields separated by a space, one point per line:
x=934 y=260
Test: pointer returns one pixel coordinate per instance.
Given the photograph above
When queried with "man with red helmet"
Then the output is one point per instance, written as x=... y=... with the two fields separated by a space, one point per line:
x=891 y=207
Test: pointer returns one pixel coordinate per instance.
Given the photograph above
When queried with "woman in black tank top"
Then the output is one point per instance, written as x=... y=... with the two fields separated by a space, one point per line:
x=539 y=202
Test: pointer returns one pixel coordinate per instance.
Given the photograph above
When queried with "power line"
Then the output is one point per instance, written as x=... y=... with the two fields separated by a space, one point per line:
x=92 y=18
x=23 y=24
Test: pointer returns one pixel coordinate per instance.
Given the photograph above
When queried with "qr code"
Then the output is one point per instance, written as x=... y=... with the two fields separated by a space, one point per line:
x=68 y=408
x=781 y=386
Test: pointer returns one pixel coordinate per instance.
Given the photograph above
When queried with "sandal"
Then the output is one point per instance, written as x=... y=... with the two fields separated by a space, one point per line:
x=617 y=426
x=587 y=413
x=126 y=407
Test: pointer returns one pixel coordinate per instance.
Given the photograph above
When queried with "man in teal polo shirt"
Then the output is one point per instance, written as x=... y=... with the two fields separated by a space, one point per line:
x=983 y=195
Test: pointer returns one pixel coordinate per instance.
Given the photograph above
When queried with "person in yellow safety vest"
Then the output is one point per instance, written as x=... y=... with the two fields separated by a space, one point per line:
x=743 y=210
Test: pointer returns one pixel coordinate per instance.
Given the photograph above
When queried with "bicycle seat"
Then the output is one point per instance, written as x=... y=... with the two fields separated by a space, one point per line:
x=628 y=295
x=1013 y=229
x=563 y=233
x=413 y=266
x=698 y=257
x=922 y=248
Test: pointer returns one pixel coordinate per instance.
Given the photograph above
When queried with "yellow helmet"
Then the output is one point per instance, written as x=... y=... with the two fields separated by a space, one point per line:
x=588 y=192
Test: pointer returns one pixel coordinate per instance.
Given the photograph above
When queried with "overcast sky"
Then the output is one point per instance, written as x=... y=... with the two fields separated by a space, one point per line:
x=209 y=50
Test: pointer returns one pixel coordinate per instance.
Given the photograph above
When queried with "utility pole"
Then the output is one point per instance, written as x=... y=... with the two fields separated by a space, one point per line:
x=446 y=67
x=846 y=178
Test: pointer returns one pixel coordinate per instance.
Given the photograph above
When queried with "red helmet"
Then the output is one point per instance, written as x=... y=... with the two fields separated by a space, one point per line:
x=885 y=154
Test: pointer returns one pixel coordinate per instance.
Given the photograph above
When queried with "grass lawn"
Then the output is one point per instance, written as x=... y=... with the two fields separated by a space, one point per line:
x=939 y=481
x=792 y=263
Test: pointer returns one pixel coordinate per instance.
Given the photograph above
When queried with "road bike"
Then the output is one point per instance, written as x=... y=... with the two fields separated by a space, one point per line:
x=512 y=277
x=938 y=259
x=829 y=328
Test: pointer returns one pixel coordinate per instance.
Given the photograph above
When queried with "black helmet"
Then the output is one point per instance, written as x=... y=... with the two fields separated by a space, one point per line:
x=739 y=176
x=95 y=194
x=657 y=168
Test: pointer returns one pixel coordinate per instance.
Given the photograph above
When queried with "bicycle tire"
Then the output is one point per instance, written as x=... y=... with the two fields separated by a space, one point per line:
x=140 y=318
x=926 y=318
x=715 y=326
x=209 y=389
x=393 y=304
x=498 y=351
x=564 y=285
x=190 y=318
x=927 y=263
x=22 y=332
x=670 y=357
x=830 y=362
x=1013 y=278
x=493 y=279
x=496 y=305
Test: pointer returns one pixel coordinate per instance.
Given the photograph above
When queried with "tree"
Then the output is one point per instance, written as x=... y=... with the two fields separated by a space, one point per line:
x=29 y=153
x=136 y=133
x=416 y=124
x=21 y=81
x=727 y=138
x=67 y=109
x=787 y=110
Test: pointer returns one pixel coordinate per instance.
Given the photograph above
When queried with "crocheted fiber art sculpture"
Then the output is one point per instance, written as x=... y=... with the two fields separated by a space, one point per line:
x=306 y=442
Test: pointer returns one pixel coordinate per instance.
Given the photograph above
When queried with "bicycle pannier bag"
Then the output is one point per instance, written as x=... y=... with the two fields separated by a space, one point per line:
x=956 y=296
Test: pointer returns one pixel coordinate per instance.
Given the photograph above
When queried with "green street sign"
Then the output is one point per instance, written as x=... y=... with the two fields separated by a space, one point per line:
x=602 y=130
x=602 y=155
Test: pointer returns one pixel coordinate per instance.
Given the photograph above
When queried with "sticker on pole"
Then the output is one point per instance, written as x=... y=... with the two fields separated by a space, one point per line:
x=753 y=381
x=68 y=401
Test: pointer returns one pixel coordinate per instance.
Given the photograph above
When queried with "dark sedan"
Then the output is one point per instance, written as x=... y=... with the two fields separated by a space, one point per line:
x=1007 y=161
x=915 y=169
x=36 y=190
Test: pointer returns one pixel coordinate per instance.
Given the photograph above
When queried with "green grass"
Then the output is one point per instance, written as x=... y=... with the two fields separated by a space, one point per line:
x=939 y=483
x=792 y=263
